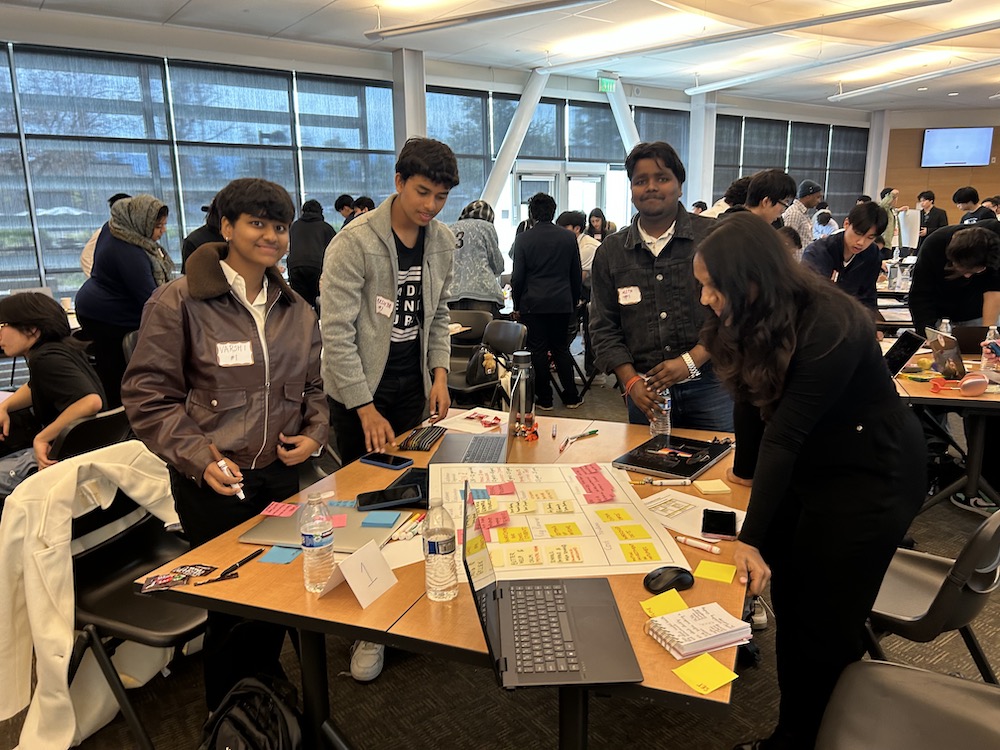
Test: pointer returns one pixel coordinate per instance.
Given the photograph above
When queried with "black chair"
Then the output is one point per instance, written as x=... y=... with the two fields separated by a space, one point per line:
x=504 y=337
x=923 y=596
x=895 y=707
x=465 y=344
x=128 y=344
x=90 y=433
x=109 y=609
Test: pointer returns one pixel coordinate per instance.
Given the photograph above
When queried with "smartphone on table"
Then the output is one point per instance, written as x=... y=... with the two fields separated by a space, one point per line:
x=386 y=460
x=718 y=524
x=404 y=495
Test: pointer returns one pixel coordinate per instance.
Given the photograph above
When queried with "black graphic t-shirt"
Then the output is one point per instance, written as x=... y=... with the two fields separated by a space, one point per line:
x=404 y=345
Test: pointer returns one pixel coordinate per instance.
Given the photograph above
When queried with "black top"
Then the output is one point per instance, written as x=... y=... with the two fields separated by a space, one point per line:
x=196 y=239
x=933 y=295
x=404 y=342
x=981 y=213
x=857 y=278
x=828 y=386
x=59 y=375
x=307 y=240
x=547 y=276
x=934 y=219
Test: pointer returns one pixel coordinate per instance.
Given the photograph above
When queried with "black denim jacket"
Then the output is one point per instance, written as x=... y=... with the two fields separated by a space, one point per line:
x=666 y=320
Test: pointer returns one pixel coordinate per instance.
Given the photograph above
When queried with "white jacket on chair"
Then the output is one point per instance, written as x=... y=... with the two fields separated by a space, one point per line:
x=37 y=591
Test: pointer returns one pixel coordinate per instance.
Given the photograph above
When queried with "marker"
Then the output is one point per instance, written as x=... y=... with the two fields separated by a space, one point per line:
x=405 y=526
x=698 y=544
x=221 y=463
x=415 y=528
x=554 y=432
x=670 y=482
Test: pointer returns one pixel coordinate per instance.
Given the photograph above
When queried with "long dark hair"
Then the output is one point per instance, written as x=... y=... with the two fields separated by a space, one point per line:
x=604 y=223
x=766 y=291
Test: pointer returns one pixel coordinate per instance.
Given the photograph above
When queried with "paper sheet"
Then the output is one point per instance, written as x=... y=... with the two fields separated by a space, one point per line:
x=681 y=512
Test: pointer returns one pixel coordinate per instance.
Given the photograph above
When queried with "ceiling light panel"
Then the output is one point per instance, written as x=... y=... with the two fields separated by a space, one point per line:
x=910 y=63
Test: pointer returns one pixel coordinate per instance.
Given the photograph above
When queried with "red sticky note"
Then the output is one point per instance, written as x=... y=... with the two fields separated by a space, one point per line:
x=594 y=497
x=281 y=510
x=587 y=469
x=339 y=521
x=506 y=488
x=500 y=518
x=596 y=484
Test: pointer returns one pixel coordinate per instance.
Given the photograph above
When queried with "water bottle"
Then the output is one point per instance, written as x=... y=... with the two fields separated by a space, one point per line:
x=991 y=335
x=317 y=543
x=439 y=553
x=660 y=423
x=522 y=390
x=945 y=326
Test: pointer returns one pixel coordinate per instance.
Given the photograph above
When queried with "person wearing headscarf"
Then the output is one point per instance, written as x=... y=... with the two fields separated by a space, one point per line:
x=478 y=261
x=129 y=265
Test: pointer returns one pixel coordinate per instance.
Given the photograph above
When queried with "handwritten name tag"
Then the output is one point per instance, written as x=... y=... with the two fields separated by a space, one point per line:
x=384 y=306
x=629 y=295
x=234 y=353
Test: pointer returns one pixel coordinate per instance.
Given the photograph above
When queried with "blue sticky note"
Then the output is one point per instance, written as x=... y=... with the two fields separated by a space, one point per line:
x=480 y=494
x=281 y=555
x=383 y=519
x=342 y=503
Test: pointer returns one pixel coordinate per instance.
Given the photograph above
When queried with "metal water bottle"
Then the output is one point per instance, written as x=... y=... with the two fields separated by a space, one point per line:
x=522 y=390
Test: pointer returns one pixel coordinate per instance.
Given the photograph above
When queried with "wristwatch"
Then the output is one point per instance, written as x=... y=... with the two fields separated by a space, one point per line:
x=693 y=371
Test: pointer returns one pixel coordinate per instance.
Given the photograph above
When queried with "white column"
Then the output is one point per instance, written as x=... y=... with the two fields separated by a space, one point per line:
x=701 y=158
x=409 y=95
x=514 y=137
x=623 y=116
x=877 y=159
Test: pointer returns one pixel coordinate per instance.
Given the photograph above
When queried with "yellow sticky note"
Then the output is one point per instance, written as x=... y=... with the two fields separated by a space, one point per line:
x=545 y=494
x=714 y=571
x=559 y=506
x=521 y=506
x=564 y=553
x=611 y=515
x=475 y=544
x=632 y=531
x=563 y=529
x=509 y=534
x=486 y=506
x=705 y=673
x=640 y=552
x=711 y=487
x=664 y=604
x=497 y=558
x=524 y=556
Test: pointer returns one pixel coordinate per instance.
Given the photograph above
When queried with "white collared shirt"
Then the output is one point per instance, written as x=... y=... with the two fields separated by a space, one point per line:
x=655 y=245
x=257 y=308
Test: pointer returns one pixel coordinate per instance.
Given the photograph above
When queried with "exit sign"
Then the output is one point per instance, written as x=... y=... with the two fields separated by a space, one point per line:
x=606 y=85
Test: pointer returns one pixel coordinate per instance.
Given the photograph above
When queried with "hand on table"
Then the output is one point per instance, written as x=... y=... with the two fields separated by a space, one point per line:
x=378 y=431
x=751 y=568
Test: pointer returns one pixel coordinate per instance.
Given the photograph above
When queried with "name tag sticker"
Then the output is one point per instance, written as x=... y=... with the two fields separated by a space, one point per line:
x=629 y=295
x=384 y=306
x=234 y=353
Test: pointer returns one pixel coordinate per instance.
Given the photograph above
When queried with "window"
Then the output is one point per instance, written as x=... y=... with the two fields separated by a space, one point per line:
x=18 y=265
x=461 y=119
x=594 y=134
x=765 y=145
x=344 y=114
x=848 y=153
x=8 y=122
x=329 y=174
x=544 y=139
x=728 y=149
x=666 y=125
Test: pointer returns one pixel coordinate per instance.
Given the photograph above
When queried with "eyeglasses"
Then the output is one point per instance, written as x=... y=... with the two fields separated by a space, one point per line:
x=784 y=204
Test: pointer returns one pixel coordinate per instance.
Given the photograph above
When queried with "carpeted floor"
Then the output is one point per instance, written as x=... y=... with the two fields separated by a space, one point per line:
x=420 y=702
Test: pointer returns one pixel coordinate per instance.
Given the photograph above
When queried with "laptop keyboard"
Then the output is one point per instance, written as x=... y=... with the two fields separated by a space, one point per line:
x=543 y=641
x=485 y=449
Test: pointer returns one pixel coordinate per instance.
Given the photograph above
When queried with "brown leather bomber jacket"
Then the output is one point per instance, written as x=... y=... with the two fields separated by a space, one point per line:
x=198 y=374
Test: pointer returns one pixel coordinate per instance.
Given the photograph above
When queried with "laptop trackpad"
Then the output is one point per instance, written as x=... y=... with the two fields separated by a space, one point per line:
x=601 y=641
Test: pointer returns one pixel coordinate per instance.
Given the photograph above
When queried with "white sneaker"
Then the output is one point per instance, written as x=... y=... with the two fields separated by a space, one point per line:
x=366 y=660
x=758 y=620
x=981 y=505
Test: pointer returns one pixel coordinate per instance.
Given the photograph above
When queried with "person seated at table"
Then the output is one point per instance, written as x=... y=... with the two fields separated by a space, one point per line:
x=247 y=387
x=129 y=265
x=840 y=465
x=849 y=258
x=62 y=385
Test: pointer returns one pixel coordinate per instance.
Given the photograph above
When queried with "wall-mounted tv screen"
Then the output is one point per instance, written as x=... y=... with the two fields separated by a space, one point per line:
x=957 y=147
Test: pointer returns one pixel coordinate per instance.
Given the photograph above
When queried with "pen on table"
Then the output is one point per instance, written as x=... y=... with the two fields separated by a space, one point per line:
x=405 y=526
x=232 y=568
x=699 y=544
x=221 y=463
x=554 y=431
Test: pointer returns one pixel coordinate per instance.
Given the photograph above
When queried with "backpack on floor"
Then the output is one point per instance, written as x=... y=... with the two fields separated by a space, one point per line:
x=255 y=716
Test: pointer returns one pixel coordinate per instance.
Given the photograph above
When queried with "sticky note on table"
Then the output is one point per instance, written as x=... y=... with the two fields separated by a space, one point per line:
x=486 y=506
x=339 y=520
x=488 y=521
x=280 y=510
x=705 y=673
x=611 y=515
x=640 y=552
x=382 y=519
x=504 y=488
x=631 y=531
x=711 y=486
x=281 y=555
x=521 y=506
x=480 y=494
x=507 y=535
x=563 y=554
x=563 y=529
x=714 y=571
x=663 y=604
x=476 y=544
x=587 y=469
x=558 y=506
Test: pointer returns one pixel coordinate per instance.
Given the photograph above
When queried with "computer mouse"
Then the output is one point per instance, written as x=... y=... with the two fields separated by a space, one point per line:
x=668 y=577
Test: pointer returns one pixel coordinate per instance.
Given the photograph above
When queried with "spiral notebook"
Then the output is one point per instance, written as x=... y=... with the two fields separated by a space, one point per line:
x=697 y=630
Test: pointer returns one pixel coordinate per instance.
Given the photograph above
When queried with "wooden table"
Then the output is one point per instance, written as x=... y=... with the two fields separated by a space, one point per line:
x=403 y=617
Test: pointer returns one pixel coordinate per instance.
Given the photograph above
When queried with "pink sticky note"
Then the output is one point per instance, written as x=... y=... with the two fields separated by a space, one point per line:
x=594 y=497
x=281 y=510
x=487 y=535
x=460 y=536
x=506 y=488
x=596 y=484
x=490 y=520
x=587 y=469
x=339 y=521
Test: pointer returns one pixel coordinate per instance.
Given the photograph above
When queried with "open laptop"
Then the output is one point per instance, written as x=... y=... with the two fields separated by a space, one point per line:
x=462 y=448
x=901 y=352
x=970 y=339
x=287 y=532
x=546 y=632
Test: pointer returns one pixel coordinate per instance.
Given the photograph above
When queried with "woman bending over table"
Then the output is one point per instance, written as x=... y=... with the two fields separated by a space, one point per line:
x=840 y=470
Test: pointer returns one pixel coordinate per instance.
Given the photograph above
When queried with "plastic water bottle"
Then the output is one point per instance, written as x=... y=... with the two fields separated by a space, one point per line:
x=991 y=335
x=660 y=423
x=317 y=543
x=439 y=553
x=945 y=326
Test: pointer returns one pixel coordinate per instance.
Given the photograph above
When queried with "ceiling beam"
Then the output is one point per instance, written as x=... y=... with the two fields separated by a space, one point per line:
x=812 y=65
x=730 y=36
x=943 y=73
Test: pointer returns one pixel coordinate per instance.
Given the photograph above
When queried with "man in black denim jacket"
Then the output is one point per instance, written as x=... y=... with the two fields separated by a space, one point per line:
x=647 y=315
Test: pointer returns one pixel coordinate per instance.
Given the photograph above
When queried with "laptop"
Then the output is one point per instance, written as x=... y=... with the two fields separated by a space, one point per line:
x=286 y=532
x=546 y=632
x=462 y=448
x=970 y=339
x=901 y=352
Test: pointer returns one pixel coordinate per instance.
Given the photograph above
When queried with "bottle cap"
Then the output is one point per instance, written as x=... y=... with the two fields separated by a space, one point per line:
x=522 y=358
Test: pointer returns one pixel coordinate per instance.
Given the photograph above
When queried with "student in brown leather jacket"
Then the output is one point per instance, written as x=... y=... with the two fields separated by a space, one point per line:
x=228 y=360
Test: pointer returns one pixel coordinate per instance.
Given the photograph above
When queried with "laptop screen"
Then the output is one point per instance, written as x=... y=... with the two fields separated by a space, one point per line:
x=482 y=576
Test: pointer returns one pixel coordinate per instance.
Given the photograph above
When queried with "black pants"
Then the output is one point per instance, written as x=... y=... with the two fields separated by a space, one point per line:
x=305 y=281
x=853 y=494
x=399 y=400
x=549 y=333
x=234 y=647
x=109 y=357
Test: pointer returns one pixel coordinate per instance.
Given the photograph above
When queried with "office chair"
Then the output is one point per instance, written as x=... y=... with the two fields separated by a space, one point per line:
x=923 y=596
x=90 y=433
x=109 y=609
x=504 y=337
x=128 y=344
x=896 y=707
x=465 y=344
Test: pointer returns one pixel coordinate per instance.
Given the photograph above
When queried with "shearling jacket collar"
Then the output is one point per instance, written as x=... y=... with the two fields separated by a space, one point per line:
x=206 y=279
